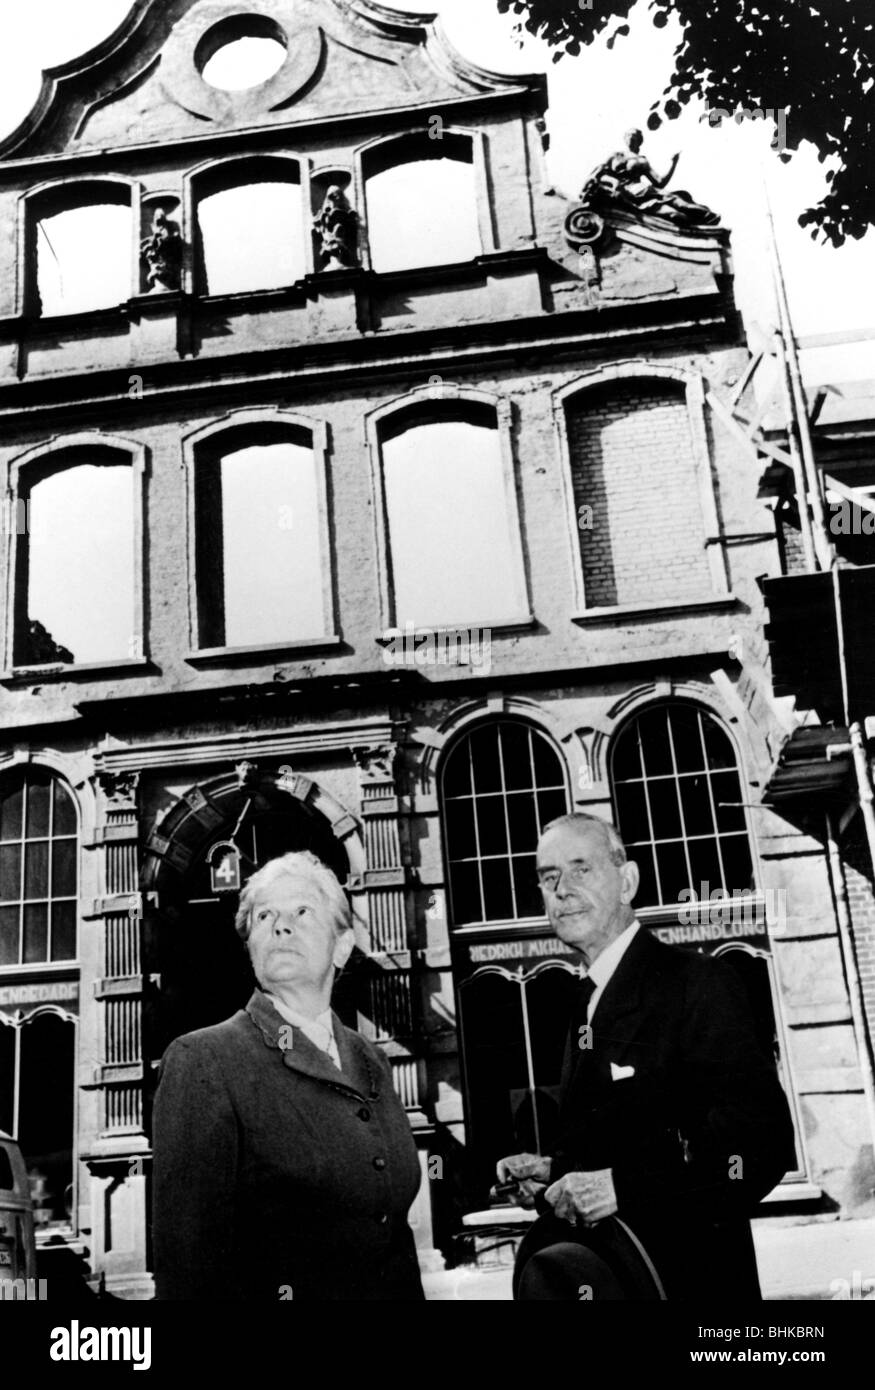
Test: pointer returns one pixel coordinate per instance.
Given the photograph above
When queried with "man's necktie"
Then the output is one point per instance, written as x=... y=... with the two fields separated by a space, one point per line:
x=582 y=995
x=576 y=1044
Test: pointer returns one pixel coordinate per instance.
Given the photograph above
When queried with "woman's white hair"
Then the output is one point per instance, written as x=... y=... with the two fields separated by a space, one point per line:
x=293 y=865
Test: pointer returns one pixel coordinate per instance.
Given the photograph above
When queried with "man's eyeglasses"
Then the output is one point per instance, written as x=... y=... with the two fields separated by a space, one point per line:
x=548 y=879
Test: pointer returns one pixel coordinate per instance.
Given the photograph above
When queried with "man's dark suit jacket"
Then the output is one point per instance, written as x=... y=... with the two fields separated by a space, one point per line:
x=698 y=1134
x=276 y=1175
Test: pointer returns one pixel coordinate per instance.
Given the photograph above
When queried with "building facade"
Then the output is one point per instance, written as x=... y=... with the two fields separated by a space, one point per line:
x=364 y=495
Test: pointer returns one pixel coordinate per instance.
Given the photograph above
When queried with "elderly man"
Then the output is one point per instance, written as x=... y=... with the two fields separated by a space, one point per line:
x=284 y=1163
x=671 y=1117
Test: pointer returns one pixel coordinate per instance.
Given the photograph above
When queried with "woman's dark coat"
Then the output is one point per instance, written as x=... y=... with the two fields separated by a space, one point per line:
x=276 y=1175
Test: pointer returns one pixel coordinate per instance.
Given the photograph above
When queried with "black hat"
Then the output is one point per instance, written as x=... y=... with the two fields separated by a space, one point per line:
x=555 y=1259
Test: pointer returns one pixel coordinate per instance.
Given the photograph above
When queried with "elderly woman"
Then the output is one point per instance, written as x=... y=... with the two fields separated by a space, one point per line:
x=283 y=1161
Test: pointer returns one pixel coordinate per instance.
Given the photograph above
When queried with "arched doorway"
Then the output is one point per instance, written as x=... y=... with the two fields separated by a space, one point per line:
x=190 y=940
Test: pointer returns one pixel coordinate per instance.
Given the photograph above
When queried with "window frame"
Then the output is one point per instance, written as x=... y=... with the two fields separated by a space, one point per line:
x=56 y=196
x=712 y=537
x=419 y=404
x=409 y=139
x=656 y=911
x=260 y=425
x=68 y=964
x=502 y=926
x=216 y=171
x=51 y=972
x=18 y=490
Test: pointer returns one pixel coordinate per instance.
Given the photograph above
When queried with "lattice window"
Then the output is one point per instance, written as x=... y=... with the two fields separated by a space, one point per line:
x=677 y=796
x=502 y=783
x=38 y=870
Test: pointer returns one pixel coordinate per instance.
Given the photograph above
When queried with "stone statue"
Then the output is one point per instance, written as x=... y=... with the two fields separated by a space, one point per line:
x=336 y=227
x=162 y=252
x=627 y=180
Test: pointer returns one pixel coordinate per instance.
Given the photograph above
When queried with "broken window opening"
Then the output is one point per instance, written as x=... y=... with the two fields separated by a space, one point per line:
x=422 y=210
x=75 y=586
x=83 y=258
x=454 y=554
x=252 y=236
x=258 y=551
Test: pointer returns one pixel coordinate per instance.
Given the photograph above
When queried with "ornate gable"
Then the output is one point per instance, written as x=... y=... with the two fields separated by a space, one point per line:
x=343 y=58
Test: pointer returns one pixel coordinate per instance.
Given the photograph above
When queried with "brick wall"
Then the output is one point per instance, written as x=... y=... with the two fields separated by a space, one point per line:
x=858 y=876
x=790 y=540
x=632 y=462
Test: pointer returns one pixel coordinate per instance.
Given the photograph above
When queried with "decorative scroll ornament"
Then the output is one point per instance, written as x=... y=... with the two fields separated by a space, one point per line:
x=162 y=252
x=583 y=227
x=336 y=228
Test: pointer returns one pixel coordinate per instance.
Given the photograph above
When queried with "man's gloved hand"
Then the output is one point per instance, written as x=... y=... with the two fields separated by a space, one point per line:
x=531 y=1171
x=584 y=1197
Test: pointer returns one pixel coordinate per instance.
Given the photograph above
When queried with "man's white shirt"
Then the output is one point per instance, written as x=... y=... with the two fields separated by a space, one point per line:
x=604 y=965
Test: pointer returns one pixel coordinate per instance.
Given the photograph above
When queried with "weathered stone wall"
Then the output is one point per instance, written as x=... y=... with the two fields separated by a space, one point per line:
x=528 y=321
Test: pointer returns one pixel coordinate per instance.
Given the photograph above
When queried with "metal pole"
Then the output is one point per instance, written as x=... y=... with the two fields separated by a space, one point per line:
x=16 y=1077
x=530 y=1063
x=814 y=543
x=800 y=412
x=808 y=547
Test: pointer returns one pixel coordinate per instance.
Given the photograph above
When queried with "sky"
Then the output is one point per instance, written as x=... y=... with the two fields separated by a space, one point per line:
x=593 y=99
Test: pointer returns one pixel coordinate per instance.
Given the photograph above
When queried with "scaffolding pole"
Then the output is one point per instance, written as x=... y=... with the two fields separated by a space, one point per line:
x=796 y=462
x=815 y=537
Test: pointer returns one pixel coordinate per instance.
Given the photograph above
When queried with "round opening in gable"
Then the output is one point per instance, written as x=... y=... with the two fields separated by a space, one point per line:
x=240 y=53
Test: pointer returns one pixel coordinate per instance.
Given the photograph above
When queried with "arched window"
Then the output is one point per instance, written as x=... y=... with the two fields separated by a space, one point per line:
x=250 y=226
x=76 y=563
x=261 y=550
x=636 y=494
x=38 y=869
x=501 y=784
x=421 y=201
x=453 y=530
x=678 y=804
x=80 y=248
